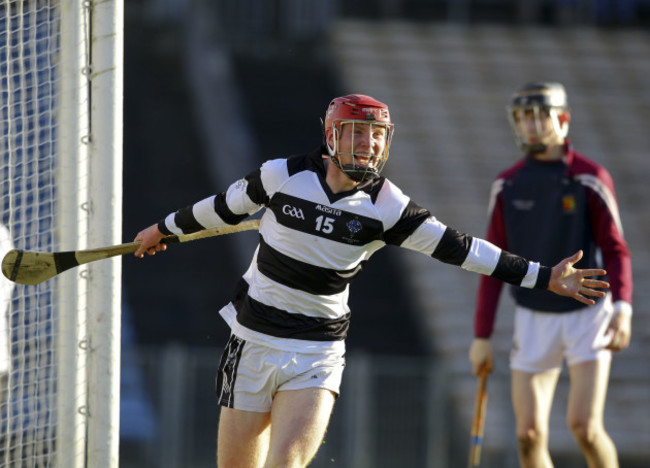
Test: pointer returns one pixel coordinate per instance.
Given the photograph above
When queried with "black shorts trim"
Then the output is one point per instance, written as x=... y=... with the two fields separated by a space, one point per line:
x=227 y=373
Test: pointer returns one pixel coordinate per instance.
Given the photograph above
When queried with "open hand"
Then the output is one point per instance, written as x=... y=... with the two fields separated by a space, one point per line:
x=568 y=281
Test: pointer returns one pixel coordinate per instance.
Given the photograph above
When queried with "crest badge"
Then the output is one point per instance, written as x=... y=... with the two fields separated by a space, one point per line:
x=354 y=226
x=569 y=203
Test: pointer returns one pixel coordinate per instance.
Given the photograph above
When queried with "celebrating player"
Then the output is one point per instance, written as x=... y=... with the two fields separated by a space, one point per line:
x=552 y=202
x=326 y=213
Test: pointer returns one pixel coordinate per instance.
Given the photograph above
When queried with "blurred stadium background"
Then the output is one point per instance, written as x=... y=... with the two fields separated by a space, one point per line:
x=213 y=88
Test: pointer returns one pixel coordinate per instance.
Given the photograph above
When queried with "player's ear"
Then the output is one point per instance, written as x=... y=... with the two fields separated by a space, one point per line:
x=326 y=138
x=329 y=137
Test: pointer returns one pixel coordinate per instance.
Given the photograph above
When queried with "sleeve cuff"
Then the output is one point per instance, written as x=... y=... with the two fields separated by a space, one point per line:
x=162 y=227
x=543 y=277
x=623 y=307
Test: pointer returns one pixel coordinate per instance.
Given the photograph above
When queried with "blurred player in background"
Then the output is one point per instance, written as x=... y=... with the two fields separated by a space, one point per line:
x=552 y=202
x=326 y=213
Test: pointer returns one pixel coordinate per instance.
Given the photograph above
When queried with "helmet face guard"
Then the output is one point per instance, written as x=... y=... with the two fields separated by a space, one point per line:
x=351 y=116
x=540 y=102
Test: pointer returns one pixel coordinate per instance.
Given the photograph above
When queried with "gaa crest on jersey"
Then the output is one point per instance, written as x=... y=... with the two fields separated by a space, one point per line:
x=293 y=211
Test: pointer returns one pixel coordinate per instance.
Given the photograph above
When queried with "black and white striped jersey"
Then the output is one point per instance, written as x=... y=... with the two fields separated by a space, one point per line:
x=313 y=243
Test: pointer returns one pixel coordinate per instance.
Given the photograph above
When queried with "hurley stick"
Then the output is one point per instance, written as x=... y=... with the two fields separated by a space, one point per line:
x=478 y=421
x=27 y=267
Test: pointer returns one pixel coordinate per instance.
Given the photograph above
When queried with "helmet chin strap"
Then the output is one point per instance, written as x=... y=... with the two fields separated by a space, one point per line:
x=535 y=148
x=539 y=148
x=354 y=172
x=357 y=173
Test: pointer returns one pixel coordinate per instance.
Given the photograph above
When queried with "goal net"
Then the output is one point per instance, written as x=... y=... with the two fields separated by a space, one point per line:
x=28 y=48
x=55 y=367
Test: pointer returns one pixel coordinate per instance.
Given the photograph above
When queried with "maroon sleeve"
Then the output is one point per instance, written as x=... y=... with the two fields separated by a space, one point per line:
x=606 y=226
x=489 y=289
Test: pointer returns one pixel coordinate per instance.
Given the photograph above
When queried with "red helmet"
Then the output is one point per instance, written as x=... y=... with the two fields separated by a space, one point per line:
x=359 y=109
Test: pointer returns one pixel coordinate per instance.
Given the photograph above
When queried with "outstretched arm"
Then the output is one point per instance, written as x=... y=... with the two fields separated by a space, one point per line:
x=571 y=282
x=224 y=209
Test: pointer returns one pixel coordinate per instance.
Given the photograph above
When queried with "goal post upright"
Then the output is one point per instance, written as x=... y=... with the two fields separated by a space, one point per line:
x=61 y=74
x=105 y=228
x=72 y=232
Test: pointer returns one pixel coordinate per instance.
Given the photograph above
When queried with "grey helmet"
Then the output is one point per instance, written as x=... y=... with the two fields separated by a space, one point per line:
x=546 y=98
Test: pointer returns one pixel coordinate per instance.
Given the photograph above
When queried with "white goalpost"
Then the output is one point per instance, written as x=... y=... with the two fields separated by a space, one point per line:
x=61 y=75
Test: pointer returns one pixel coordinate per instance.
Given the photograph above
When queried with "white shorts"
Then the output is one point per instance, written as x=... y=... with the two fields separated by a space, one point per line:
x=251 y=374
x=541 y=340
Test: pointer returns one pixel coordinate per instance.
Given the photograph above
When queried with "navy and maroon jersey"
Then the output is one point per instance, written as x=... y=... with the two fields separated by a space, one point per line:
x=548 y=210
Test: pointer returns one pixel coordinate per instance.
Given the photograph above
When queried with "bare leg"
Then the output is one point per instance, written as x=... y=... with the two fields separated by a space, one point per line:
x=299 y=420
x=532 y=397
x=243 y=439
x=585 y=413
